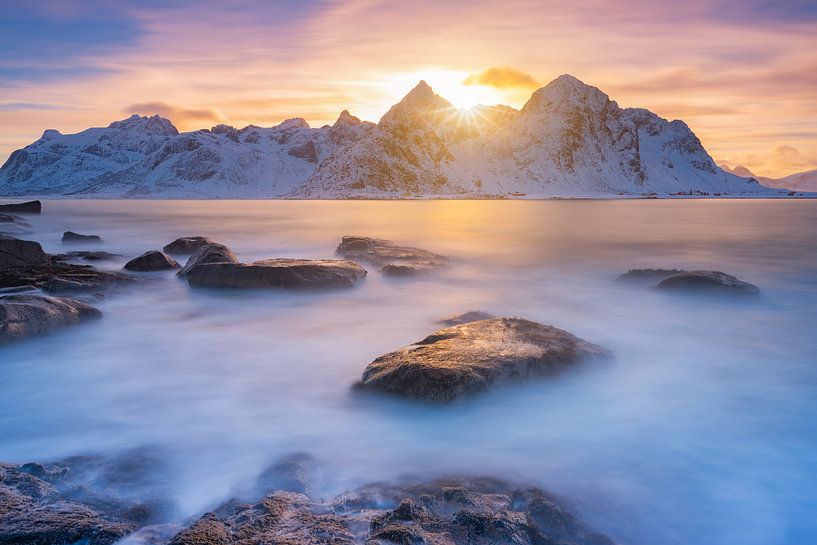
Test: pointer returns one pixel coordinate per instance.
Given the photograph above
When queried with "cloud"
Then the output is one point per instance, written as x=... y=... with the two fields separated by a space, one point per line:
x=21 y=106
x=174 y=113
x=502 y=77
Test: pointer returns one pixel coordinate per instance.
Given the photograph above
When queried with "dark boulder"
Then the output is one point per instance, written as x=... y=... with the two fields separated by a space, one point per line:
x=209 y=253
x=23 y=316
x=72 y=237
x=15 y=253
x=465 y=359
x=152 y=260
x=30 y=207
x=277 y=273
x=186 y=245
x=708 y=282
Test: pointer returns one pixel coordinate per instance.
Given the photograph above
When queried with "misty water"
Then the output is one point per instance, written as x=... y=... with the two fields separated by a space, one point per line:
x=701 y=430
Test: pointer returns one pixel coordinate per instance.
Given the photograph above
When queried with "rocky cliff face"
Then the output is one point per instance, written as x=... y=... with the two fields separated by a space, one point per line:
x=569 y=139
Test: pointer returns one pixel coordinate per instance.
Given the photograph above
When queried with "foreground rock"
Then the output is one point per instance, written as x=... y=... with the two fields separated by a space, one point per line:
x=452 y=511
x=83 y=499
x=24 y=263
x=394 y=260
x=708 y=282
x=209 y=253
x=23 y=316
x=72 y=237
x=277 y=273
x=152 y=260
x=465 y=359
x=186 y=245
x=649 y=274
x=30 y=207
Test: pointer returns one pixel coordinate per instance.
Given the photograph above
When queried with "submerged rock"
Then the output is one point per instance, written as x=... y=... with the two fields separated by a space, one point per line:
x=72 y=237
x=465 y=359
x=398 y=270
x=466 y=317
x=387 y=254
x=30 y=207
x=649 y=274
x=708 y=282
x=152 y=260
x=13 y=225
x=209 y=253
x=277 y=273
x=291 y=474
x=88 y=255
x=186 y=245
x=23 y=316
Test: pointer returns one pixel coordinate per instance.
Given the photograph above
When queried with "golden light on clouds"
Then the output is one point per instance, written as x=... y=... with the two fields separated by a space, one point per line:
x=746 y=86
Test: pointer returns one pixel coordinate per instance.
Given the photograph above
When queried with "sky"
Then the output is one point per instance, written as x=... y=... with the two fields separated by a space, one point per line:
x=741 y=73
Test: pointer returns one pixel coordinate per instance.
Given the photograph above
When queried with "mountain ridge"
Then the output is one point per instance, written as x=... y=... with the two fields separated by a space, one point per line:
x=568 y=140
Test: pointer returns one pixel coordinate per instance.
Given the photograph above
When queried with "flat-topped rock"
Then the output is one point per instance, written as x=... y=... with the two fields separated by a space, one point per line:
x=72 y=237
x=186 y=245
x=649 y=274
x=152 y=260
x=23 y=316
x=385 y=253
x=209 y=253
x=708 y=282
x=17 y=253
x=30 y=207
x=277 y=273
x=466 y=317
x=462 y=360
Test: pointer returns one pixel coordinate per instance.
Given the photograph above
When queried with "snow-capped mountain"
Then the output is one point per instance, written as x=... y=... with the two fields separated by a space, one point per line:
x=568 y=140
x=801 y=181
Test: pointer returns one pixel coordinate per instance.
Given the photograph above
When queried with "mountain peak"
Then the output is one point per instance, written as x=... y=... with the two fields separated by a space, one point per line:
x=567 y=92
x=418 y=105
x=345 y=118
x=153 y=125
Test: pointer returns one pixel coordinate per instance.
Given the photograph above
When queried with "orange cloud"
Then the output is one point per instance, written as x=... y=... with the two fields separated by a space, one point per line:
x=178 y=115
x=502 y=77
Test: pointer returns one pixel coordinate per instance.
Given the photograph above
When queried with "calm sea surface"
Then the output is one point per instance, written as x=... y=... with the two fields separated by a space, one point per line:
x=701 y=431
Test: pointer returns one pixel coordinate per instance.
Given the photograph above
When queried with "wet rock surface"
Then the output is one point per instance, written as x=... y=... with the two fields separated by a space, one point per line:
x=23 y=316
x=469 y=358
x=708 y=282
x=209 y=253
x=152 y=260
x=74 y=238
x=393 y=258
x=277 y=273
x=451 y=511
x=30 y=207
x=186 y=245
x=24 y=263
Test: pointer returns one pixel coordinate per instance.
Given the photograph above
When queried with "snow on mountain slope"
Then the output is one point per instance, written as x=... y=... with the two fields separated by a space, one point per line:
x=802 y=181
x=568 y=140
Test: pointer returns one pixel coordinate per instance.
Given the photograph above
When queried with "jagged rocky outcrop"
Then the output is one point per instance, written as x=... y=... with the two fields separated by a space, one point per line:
x=465 y=359
x=569 y=139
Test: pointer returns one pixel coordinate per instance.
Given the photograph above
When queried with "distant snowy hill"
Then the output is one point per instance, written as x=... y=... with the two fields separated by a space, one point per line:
x=569 y=140
x=802 y=181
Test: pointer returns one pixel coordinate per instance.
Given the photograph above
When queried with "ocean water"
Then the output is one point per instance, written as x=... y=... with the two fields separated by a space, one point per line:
x=701 y=430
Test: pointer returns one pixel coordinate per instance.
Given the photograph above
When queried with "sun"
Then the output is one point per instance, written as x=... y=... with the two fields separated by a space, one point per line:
x=446 y=83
